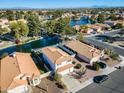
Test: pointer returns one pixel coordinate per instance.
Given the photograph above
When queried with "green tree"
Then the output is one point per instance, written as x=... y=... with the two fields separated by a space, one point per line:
x=96 y=66
x=3 y=30
x=57 y=14
x=10 y=15
x=92 y=19
x=49 y=26
x=24 y=30
x=58 y=27
x=19 y=29
x=114 y=56
x=69 y=30
x=66 y=20
x=15 y=29
x=100 y=18
x=118 y=25
x=57 y=77
x=80 y=36
x=84 y=27
x=19 y=15
x=34 y=25
x=113 y=17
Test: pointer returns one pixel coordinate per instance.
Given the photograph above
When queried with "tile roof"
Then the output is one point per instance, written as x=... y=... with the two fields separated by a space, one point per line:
x=56 y=55
x=65 y=67
x=83 y=49
x=12 y=66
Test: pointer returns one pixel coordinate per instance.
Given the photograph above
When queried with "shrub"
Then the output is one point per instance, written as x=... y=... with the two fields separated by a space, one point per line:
x=106 y=40
x=61 y=85
x=78 y=66
x=57 y=77
x=96 y=66
x=73 y=62
x=114 y=56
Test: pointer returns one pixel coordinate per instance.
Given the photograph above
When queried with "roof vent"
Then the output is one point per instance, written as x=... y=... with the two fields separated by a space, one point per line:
x=12 y=54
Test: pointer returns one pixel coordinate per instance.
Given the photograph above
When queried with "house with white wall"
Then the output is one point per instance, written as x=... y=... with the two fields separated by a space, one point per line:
x=111 y=23
x=98 y=27
x=85 y=52
x=18 y=72
x=19 y=20
x=4 y=22
x=58 y=60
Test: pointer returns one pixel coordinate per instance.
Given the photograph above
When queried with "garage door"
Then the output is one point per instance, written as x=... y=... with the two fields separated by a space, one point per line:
x=20 y=89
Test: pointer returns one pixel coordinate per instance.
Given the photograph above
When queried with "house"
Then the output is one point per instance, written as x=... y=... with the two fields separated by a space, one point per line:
x=121 y=22
x=64 y=15
x=78 y=28
x=20 y=20
x=18 y=71
x=85 y=52
x=4 y=22
x=99 y=27
x=111 y=23
x=88 y=31
x=58 y=60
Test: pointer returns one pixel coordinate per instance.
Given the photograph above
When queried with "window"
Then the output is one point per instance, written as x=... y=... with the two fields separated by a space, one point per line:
x=36 y=81
x=58 y=64
x=31 y=81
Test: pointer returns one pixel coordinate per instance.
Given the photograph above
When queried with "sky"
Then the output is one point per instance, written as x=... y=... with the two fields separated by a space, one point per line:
x=59 y=3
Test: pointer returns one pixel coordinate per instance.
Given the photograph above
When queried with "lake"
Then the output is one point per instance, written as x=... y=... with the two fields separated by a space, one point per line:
x=83 y=21
x=47 y=41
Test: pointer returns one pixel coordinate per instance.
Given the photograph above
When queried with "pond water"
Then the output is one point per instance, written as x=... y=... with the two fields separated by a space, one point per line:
x=48 y=41
x=83 y=21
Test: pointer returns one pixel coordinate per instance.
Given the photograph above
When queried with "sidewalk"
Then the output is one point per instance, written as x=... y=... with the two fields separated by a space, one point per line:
x=106 y=71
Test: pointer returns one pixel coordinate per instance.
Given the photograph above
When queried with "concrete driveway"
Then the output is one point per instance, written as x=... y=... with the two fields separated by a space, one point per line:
x=70 y=81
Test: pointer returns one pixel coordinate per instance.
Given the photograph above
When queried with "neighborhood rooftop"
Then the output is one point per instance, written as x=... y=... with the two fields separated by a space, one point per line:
x=82 y=48
x=56 y=55
x=14 y=65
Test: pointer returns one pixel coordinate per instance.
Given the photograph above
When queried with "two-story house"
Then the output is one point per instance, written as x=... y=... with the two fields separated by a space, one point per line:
x=18 y=72
x=58 y=60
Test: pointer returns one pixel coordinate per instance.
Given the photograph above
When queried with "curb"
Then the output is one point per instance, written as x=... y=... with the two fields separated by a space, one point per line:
x=106 y=71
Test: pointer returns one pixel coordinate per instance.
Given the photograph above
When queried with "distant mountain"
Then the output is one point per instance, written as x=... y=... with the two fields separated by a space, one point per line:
x=21 y=8
x=104 y=6
x=30 y=8
x=99 y=6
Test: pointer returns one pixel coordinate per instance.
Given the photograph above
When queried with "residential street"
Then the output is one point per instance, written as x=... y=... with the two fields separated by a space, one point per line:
x=115 y=84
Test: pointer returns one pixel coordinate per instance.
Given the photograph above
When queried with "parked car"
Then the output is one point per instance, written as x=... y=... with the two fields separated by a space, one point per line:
x=100 y=79
x=102 y=65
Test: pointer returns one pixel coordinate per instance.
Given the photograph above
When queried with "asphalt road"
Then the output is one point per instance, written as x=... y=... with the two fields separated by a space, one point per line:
x=115 y=84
